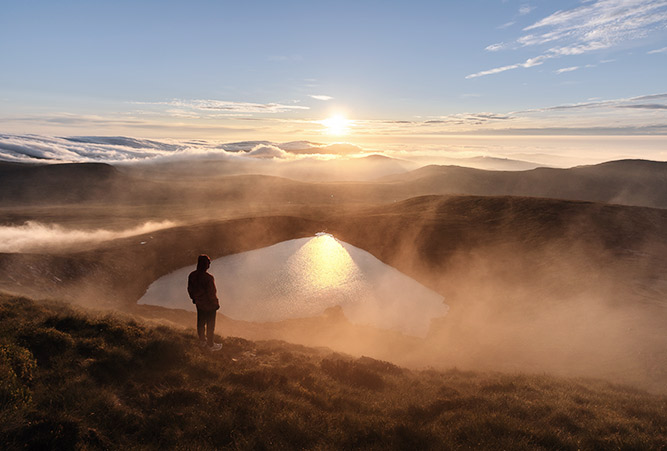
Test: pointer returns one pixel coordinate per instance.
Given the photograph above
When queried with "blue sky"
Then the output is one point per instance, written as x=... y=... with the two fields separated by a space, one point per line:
x=400 y=72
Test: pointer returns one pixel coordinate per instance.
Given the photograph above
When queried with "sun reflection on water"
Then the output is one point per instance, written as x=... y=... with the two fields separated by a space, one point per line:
x=329 y=264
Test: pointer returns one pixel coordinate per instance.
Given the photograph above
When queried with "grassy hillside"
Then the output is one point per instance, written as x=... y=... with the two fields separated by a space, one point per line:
x=72 y=379
x=569 y=288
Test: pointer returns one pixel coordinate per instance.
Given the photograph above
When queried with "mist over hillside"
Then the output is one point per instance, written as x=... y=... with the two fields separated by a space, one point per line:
x=544 y=269
x=203 y=182
x=568 y=287
x=429 y=225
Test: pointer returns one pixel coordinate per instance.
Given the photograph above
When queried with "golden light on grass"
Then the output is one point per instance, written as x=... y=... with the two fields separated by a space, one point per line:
x=337 y=125
x=330 y=265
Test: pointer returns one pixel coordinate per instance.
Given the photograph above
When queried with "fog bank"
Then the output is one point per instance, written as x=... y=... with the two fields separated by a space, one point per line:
x=38 y=237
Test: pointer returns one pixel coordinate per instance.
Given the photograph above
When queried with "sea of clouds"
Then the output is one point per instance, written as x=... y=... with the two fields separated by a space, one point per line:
x=120 y=149
x=490 y=153
x=127 y=150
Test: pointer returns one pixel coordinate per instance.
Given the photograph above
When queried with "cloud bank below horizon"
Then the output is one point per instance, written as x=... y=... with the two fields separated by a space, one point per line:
x=121 y=149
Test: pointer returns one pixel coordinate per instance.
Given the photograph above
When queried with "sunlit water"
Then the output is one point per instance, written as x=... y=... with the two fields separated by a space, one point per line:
x=302 y=278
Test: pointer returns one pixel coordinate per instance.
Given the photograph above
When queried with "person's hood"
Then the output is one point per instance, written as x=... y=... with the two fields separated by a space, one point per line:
x=203 y=262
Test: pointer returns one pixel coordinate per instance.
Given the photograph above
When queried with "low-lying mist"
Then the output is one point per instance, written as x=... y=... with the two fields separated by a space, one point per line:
x=537 y=303
x=567 y=318
x=554 y=313
x=538 y=285
x=533 y=285
x=33 y=236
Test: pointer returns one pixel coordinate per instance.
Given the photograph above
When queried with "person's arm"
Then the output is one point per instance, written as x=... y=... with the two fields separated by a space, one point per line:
x=212 y=290
x=191 y=288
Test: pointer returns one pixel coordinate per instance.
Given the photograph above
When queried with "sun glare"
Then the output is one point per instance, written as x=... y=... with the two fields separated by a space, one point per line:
x=337 y=125
x=329 y=263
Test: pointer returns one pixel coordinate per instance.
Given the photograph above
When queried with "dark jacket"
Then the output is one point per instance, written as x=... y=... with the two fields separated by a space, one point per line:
x=201 y=288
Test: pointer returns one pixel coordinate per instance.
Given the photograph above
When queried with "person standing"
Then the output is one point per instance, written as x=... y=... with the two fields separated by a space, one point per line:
x=202 y=291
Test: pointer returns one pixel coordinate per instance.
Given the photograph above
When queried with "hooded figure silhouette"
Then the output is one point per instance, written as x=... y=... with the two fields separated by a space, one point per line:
x=202 y=291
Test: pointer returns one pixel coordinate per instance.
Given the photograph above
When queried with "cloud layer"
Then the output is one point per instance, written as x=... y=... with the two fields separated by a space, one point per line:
x=642 y=115
x=120 y=149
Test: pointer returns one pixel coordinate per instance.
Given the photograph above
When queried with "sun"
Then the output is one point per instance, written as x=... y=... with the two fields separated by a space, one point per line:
x=337 y=125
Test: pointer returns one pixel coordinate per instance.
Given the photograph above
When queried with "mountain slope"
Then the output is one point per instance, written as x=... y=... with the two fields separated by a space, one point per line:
x=572 y=288
x=73 y=379
x=29 y=184
x=203 y=184
x=629 y=182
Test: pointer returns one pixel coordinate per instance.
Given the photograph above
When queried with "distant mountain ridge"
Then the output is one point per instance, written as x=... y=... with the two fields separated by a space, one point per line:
x=626 y=182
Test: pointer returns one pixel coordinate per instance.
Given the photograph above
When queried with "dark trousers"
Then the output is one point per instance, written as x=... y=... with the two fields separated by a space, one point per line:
x=206 y=320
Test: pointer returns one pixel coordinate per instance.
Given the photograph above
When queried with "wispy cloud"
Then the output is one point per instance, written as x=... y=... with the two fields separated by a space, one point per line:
x=495 y=47
x=321 y=97
x=530 y=62
x=464 y=119
x=602 y=24
x=642 y=115
x=647 y=106
x=495 y=70
x=506 y=25
x=183 y=121
x=73 y=119
x=567 y=69
x=612 y=103
x=228 y=106
x=662 y=50
x=525 y=9
x=178 y=112
x=490 y=116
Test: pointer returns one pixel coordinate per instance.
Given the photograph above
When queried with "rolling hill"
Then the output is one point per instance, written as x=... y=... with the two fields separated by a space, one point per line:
x=76 y=379
x=627 y=182
x=572 y=288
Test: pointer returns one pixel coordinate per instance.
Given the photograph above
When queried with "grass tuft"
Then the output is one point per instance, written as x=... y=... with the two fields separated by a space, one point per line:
x=354 y=373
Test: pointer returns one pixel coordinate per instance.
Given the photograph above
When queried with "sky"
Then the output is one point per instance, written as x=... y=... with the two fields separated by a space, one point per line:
x=378 y=74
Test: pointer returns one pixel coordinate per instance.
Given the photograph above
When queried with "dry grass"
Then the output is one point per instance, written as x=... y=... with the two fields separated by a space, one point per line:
x=74 y=380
